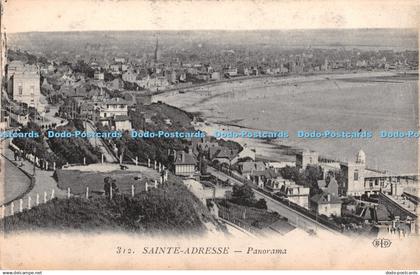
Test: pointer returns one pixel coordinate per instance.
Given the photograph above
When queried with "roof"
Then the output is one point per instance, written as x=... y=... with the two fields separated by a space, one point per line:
x=322 y=198
x=268 y=173
x=249 y=166
x=223 y=152
x=115 y=101
x=183 y=158
x=121 y=118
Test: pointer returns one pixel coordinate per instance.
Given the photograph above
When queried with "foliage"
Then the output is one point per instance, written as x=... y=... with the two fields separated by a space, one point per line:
x=244 y=195
x=172 y=209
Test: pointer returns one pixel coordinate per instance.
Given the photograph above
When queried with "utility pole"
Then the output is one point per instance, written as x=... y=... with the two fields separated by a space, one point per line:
x=34 y=160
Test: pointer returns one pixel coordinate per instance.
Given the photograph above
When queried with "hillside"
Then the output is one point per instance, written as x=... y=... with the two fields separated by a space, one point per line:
x=172 y=210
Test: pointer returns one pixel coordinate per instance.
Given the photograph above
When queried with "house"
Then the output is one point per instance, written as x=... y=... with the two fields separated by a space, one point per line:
x=121 y=123
x=247 y=168
x=326 y=204
x=116 y=84
x=129 y=76
x=306 y=158
x=277 y=165
x=296 y=193
x=246 y=153
x=329 y=185
x=184 y=164
x=107 y=110
x=222 y=154
x=261 y=177
x=98 y=76
x=230 y=71
x=275 y=184
x=24 y=84
x=215 y=76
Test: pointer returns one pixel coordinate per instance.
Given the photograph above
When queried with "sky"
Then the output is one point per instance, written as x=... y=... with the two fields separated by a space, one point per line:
x=83 y=15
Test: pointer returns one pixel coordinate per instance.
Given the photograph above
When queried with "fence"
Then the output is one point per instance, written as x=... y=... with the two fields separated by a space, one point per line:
x=224 y=214
x=26 y=202
x=19 y=205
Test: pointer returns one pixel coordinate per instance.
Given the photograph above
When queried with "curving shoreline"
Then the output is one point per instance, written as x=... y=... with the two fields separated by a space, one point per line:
x=221 y=106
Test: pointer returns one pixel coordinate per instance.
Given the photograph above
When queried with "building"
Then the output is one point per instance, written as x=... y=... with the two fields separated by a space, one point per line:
x=113 y=113
x=121 y=123
x=329 y=185
x=98 y=76
x=156 y=56
x=306 y=158
x=297 y=194
x=129 y=76
x=326 y=204
x=354 y=175
x=24 y=84
x=249 y=167
x=276 y=184
x=184 y=164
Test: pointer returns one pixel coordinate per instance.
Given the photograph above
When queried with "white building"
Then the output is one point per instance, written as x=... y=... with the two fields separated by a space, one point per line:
x=24 y=84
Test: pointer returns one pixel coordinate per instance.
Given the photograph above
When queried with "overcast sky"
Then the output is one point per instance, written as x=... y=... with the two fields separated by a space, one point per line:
x=72 y=15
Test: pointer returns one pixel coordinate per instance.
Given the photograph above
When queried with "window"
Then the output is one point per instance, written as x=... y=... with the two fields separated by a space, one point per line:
x=356 y=175
x=20 y=89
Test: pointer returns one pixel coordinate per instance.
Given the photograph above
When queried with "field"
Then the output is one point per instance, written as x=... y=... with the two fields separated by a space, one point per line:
x=92 y=176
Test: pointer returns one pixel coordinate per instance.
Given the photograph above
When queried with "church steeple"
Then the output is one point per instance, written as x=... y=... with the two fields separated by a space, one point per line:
x=156 y=56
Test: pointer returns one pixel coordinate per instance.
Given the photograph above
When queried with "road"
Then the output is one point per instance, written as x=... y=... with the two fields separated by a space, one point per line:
x=44 y=184
x=98 y=142
x=294 y=218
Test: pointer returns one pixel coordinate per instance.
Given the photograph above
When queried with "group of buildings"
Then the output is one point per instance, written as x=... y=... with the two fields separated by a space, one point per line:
x=370 y=197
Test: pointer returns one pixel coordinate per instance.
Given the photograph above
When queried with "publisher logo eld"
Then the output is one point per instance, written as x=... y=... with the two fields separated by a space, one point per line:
x=382 y=243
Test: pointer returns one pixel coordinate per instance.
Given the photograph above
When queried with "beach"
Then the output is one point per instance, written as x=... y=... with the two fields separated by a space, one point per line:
x=371 y=101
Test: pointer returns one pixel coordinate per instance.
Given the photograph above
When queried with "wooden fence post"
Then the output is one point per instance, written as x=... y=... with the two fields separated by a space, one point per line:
x=29 y=202
x=52 y=194
x=45 y=197
x=12 y=208
x=20 y=205
x=37 y=199
x=132 y=191
x=87 y=192
x=68 y=193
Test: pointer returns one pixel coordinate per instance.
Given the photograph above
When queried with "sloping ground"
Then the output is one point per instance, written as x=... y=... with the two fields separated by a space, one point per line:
x=77 y=181
x=172 y=209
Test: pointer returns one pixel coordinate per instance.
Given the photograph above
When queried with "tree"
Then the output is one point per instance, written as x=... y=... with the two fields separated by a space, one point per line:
x=243 y=195
x=261 y=204
x=312 y=175
x=292 y=173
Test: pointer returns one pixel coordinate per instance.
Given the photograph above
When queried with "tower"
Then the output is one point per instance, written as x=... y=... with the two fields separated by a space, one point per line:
x=354 y=175
x=156 y=55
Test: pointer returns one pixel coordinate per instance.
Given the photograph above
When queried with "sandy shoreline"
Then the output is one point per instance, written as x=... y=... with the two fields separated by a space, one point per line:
x=229 y=107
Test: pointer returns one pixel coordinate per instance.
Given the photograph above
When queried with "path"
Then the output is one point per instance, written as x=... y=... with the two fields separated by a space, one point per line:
x=44 y=182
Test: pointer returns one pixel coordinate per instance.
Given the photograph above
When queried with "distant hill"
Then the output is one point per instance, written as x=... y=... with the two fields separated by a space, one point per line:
x=400 y=39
